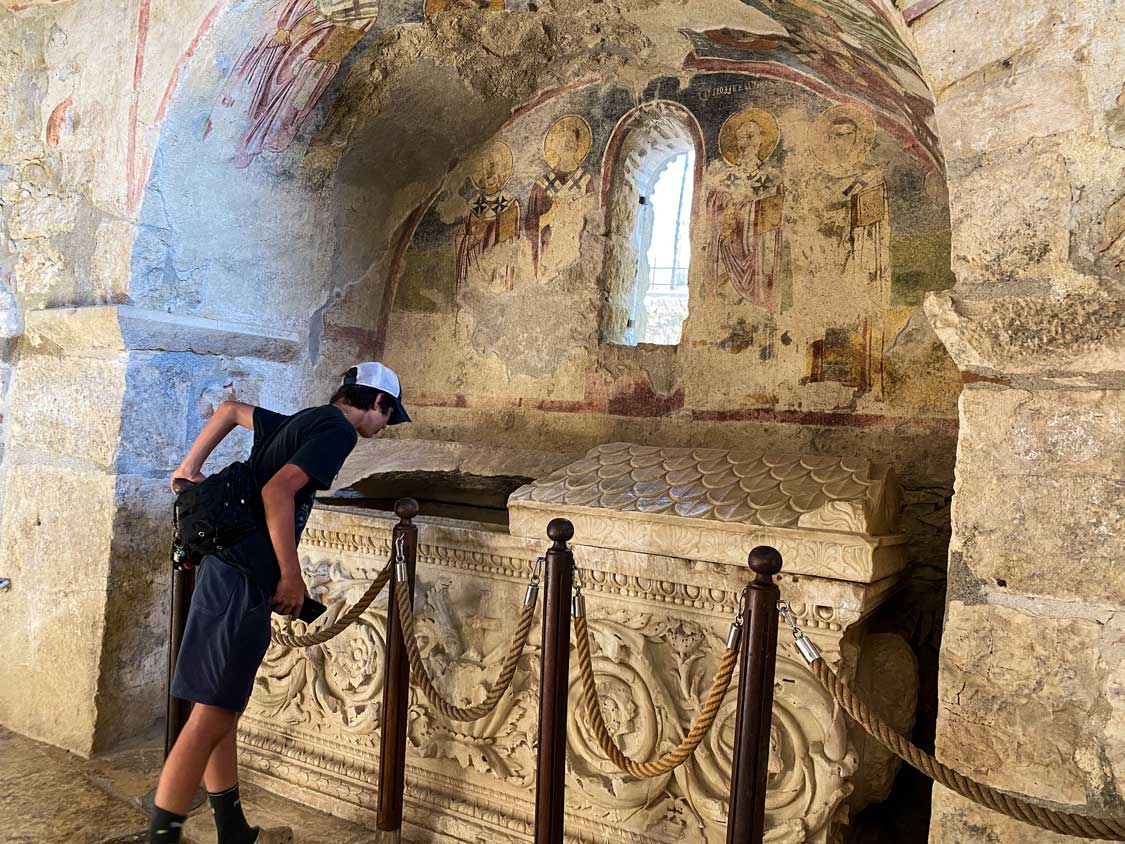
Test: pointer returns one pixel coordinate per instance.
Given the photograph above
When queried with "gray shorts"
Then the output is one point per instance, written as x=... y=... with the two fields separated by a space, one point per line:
x=227 y=634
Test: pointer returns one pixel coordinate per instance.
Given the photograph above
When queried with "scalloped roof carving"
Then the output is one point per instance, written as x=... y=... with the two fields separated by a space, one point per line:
x=769 y=489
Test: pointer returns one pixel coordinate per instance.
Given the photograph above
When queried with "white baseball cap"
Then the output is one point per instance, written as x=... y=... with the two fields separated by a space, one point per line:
x=374 y=374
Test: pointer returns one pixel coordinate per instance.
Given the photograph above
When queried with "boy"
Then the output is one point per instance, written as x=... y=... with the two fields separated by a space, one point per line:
x=228 y=626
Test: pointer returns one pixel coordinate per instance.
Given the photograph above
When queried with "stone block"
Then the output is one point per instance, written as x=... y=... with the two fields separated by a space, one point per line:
x=1010 y=111
x=1017 y=699
x=1020 y=231
x=956 y=820
x=55 y=545
x=958 y=40
x=134 y=655
x=68 y=410
x=1040 y=502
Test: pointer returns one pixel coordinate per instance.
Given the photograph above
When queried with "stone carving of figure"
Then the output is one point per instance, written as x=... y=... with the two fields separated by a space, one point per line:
x=748 y=211
x=280 y=78
x=857 y=211
x=559 y=198
x=493 y=217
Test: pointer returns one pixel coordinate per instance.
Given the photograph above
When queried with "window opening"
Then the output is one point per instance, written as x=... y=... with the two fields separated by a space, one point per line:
x=660 y=293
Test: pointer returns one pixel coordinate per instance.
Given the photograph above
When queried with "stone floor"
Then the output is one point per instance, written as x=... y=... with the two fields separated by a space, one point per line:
x=49 y=796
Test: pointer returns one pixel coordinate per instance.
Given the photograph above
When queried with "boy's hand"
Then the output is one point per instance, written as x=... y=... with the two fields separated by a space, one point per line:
x=290 y=595
x=186 y=474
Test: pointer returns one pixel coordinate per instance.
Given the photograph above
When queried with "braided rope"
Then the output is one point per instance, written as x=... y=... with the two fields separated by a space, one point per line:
x=678 y=755
x=419 y=672
x=341 y=624
x=1020 y=808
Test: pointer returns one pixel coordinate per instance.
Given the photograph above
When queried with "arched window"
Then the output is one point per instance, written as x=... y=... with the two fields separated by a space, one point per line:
x=660 y=292
x=654 y=162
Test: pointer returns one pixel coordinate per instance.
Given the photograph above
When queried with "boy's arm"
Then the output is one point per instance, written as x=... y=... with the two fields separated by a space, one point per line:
x=277 y=499
x=226 y=417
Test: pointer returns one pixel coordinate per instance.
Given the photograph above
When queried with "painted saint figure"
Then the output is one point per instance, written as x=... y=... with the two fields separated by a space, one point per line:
x=493 y=217
x=557 y=197
x=748 y=212
x=857 y=211
x=279 y=79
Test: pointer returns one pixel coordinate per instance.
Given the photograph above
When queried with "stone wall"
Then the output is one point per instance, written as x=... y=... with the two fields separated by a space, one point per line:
x=1029 y=107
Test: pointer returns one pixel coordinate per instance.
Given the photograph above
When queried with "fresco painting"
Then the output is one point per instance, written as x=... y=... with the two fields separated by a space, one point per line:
x=856 y=213
x=748 y=210
x=802 y=202
x=833 y=48
x=281 y=75
x=492 y=218
x=561 y=196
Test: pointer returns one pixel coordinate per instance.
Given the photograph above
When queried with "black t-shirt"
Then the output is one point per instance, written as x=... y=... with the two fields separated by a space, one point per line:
x=317 y=440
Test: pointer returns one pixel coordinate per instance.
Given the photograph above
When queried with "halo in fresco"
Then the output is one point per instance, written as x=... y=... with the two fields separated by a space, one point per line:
x=567 y=143
x=842 y=137
x=492 y=169
x=750 y=131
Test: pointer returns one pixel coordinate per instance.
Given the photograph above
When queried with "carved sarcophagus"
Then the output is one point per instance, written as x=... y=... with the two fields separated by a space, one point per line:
x=661 y=536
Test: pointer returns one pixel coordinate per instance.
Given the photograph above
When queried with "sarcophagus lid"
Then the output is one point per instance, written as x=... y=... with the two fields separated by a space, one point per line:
x=829 y=516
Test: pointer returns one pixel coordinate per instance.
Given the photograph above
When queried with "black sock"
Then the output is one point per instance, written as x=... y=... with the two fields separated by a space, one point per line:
x=165 y=827
x=229 y=820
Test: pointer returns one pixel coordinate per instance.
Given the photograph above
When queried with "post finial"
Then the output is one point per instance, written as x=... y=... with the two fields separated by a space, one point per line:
x=560 y=530
x=765 y=560
x=406 y=509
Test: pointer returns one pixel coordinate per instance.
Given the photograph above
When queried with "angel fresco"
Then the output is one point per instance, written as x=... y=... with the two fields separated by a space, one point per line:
x=493 y=218
x=748 y=210
x=857 y=211
x=279 y=79
x=560 y=197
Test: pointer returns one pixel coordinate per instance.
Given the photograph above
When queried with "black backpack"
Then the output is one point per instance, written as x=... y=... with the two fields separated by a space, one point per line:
x=219 y=511
x=223 y=508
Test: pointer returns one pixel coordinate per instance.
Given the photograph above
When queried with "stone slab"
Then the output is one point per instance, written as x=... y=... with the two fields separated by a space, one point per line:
x=1080 y=336
x=108 y=329
x=47 y=798
x=384 y=455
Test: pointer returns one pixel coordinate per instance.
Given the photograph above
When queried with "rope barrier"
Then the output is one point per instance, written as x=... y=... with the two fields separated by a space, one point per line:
x=341 y=624
x=703 y=721
x=419 y=671
x=1014 y=806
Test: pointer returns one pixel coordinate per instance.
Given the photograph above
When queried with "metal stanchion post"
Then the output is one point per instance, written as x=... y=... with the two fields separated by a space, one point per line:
x=176 y=711
x=396 y=689
x=746 y=819
x=554 y=682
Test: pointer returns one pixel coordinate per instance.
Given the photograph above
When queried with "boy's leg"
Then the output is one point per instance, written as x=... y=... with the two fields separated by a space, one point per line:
x=221 y=773
x=206 y=728
x=221 y=780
